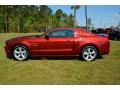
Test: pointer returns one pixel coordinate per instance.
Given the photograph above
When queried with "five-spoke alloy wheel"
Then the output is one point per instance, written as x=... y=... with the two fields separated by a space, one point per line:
x=89 y=53
x=20 y=53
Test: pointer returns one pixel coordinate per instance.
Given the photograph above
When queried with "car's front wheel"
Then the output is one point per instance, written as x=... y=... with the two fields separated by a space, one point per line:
x=20 y=53
x=89 y=53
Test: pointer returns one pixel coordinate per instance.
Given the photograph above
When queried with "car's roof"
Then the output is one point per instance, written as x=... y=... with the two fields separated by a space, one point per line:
x=68 y=28
x=83 y=31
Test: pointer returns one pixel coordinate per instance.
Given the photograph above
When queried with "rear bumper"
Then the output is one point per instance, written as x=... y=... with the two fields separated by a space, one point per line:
x=105 y=48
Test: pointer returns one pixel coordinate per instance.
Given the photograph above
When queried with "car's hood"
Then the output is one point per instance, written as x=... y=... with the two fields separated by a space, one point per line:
x=23 y=38
x=26 y=37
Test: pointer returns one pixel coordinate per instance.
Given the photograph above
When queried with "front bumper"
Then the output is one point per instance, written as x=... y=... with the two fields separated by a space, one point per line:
x=8 y=53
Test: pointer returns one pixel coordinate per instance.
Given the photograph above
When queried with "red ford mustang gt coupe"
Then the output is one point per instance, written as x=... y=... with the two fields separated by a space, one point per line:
x=56 y=43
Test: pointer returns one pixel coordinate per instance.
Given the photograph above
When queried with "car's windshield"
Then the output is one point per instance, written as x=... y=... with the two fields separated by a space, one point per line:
x=44 y=33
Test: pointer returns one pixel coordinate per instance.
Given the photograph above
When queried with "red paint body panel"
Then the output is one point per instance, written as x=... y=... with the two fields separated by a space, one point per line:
x=70 y=46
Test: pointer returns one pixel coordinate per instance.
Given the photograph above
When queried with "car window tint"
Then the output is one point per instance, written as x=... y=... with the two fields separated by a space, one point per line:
x=69 y=33
x=61 y=33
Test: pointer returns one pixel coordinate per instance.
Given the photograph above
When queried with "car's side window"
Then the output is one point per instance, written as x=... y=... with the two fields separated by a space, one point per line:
x=61 y=33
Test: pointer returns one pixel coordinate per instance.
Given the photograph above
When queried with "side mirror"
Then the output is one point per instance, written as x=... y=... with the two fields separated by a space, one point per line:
x=46 y=37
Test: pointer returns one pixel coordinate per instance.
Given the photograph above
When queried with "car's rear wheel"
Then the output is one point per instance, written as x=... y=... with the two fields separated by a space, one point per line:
x=20 y=53
x=89 y=53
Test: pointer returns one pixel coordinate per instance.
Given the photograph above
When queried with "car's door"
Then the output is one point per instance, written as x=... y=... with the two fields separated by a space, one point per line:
x=59 y=42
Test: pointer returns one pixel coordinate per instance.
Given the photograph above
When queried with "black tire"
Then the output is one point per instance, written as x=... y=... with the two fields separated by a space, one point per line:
x=89 y=53
x=24 y=52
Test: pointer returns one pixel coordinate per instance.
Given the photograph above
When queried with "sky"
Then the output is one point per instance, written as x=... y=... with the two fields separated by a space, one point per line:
x=101 y=15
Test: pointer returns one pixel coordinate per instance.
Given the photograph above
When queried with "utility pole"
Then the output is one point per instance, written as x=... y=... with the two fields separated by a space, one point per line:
x=86 y=17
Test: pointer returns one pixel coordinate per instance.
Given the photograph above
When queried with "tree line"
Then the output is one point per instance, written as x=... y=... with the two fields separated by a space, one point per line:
x=33 y=18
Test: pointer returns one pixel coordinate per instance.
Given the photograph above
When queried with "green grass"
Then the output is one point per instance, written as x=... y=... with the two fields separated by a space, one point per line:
x=67 y=71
